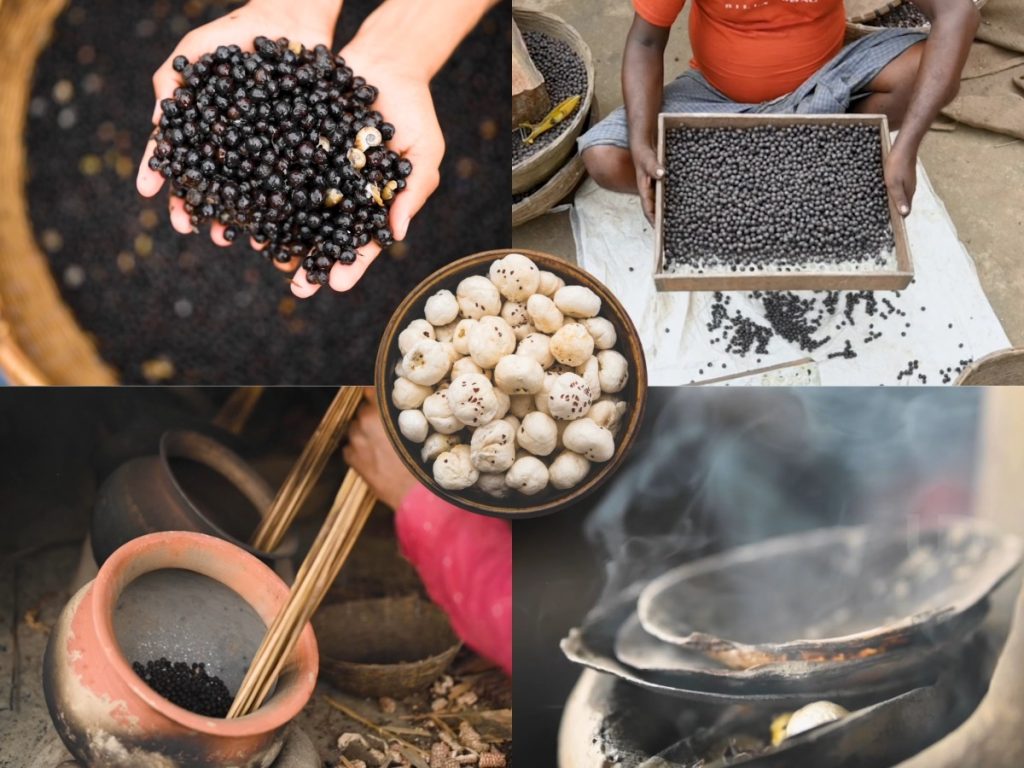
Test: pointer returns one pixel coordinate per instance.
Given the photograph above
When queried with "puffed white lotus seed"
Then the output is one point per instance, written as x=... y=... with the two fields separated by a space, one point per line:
x=538 y=434
x=589 y=373
x=528 y=475
x=569 y=397
x=493 y=485
x=453 y=469
x=543 y=313
x=602 y=331
x=445 y=332
x=518 y=375
x=460 y=337
x=439 y=413
x=427 y=362
x=493 y=447
x=577 y=301
x=436 y=444
x=549 y=283
x=490 y=340
x=406 y=394
x=521 y=405
x=537 y=346
x=571 y=345
x=504 y=403
x=472 y=400
x=416 y=331
x=413 y=425
x=441 y=308
x=465 y=365
x=592 y=442
x=608 y=413
x=613 y=370
x=540 y=400
x=568 y=470
x=514 y=313
x=515 y=276
x=477 y=296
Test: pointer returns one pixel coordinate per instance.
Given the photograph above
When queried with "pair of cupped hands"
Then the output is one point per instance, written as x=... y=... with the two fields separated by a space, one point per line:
x=404 y=100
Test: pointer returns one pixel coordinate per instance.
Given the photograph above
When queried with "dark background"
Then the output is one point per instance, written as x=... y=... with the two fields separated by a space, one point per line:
x=244 y=326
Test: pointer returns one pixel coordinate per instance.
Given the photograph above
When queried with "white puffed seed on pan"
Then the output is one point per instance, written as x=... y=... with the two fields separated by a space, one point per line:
x=413 y=425
x=454 y=471
x=427 y=362
x=577 y=301
x=602 y=331
x=514 y=313
x=515 y=276
x=549 y=283
x=607 y=412
x=439 y=414
x=537 y=346
x=518 y=375
x=436 y=444
x=465 y=365
x=416 y=331
x=528 y=475
x=571 y=345
x=477 y=297
x=493 y=485
x=543 y=313
x=538 y=434
x=460 y=337
x=592 y=442
x=405 y=394
x=493 y=447
x=490 y=340
x=613 y=370
x=472 y=400
x=441 y=308
x=568 y=470
x=445 y=332
x=589 y=373
x=569 y=397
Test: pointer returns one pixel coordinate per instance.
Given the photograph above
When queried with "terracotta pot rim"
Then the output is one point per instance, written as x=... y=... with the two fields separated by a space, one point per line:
x=164 y=456
x=280 y=708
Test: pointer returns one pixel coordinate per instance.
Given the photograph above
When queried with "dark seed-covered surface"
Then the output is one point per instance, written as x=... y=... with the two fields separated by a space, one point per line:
x=906 y=15
x=187 y=685
x=281 y=143
x=564 y=75
x=170 y=308
x=775 y=198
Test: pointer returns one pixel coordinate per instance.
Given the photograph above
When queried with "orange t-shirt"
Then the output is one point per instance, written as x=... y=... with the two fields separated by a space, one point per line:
x=756 y=50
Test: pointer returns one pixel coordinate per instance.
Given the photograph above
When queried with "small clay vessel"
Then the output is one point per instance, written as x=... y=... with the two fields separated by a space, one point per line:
x=185 y=597
x=194 y=484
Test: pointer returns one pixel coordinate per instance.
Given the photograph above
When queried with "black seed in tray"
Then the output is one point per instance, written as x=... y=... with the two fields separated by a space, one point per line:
x=905 y=15
x=187 y=685
x=565 y=75
x=774 y=198
x=244 y=121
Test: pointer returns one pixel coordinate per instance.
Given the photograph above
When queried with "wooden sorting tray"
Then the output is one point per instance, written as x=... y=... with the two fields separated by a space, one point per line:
x=822 y=280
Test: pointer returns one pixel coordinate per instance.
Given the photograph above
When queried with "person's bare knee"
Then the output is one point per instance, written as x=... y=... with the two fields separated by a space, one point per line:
x=611 y=167
x=893 y=87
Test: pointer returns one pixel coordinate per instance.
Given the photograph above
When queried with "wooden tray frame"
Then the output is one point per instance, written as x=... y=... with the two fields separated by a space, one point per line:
x=884 y=280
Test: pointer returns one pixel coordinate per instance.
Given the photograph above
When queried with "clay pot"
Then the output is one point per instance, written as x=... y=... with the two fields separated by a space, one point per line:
x=187 y=597
x=194 y=484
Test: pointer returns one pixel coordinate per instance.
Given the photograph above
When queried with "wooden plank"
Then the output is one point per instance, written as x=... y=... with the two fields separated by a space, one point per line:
x=895 y=279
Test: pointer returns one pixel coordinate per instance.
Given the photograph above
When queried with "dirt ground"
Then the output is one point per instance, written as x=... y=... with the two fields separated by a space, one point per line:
x=978 y=175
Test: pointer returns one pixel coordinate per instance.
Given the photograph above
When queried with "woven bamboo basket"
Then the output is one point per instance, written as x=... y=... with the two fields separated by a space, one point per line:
x=557 y=188
x=40 y=340
x=541 y=165
x=859 y=14
x=391 y=646
x=1004 y=368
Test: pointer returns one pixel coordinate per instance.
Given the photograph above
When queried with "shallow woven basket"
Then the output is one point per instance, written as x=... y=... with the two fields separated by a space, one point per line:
x=858 y=12
x=391 y=646
x=541 y=165
x=1003 y=368
x=40 y=340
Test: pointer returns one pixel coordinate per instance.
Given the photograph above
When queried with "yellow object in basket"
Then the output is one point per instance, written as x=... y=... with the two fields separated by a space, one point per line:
x=560 y=112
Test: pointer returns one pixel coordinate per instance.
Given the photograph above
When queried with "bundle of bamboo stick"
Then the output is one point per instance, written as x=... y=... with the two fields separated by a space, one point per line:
x=348 y=515
x=304 y=475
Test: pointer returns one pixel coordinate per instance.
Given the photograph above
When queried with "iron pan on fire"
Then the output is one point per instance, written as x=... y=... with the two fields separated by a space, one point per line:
x=832 y=593
x=594 y=646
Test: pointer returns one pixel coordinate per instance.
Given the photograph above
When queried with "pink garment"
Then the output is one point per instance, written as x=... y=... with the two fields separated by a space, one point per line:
x=465 y=561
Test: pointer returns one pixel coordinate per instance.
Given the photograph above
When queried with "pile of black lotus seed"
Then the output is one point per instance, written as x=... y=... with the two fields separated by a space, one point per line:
x=282 y=144
x=906 y=15
x=187 y=685
x=774 y=198
x=565 y=75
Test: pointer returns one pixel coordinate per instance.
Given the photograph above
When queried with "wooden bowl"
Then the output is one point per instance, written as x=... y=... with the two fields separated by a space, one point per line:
x=543 y=163
x=391 y=646
x=1004 y=368
x=515 y=505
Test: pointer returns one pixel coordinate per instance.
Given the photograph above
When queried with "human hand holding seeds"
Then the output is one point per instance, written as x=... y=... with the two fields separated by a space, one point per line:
x=648 y=171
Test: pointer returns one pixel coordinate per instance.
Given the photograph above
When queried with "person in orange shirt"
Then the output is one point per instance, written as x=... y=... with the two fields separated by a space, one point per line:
x=779 y=56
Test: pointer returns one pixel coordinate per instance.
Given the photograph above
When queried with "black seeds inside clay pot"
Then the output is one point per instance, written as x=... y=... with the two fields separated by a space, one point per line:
x=187 y=685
